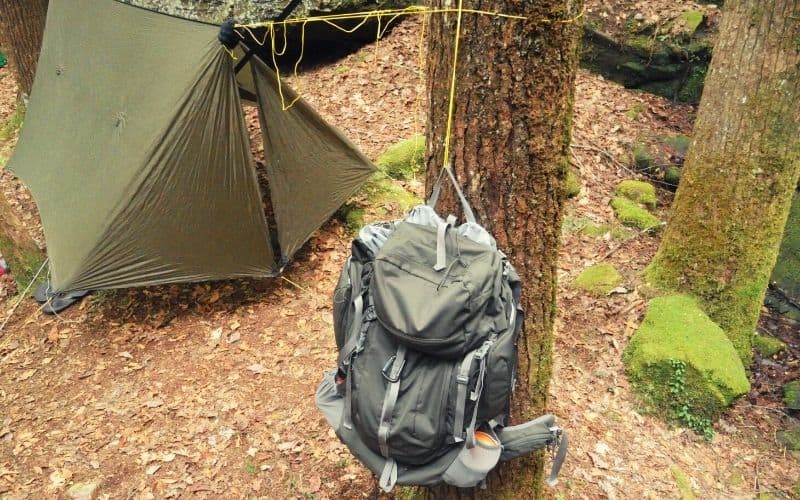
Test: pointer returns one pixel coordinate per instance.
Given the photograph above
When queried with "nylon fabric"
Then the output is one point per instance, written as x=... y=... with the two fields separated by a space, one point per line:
x=312 y=167
x=136 y=151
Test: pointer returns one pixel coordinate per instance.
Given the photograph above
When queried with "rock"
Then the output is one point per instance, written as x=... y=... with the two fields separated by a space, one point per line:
x=638 y=17
x=404 y=160
x=786 y=274
x=641 y=192
x=82 y=491
x=789 y=439
x=599 y=279
x=767 y=346
x=253 y=11
x=672 y=64
x=791 y=395
x=632 y=215
x=676 y=331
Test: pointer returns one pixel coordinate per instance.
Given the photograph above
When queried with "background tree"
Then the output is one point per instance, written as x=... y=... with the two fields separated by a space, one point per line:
x=510 y=141
x=734 y=197
x=21 y=28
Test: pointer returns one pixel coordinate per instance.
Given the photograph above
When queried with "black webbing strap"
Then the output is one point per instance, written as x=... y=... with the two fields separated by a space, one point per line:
x=286 y=12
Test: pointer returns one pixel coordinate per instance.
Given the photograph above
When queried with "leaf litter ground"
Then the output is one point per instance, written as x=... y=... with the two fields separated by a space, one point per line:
x=207 y=390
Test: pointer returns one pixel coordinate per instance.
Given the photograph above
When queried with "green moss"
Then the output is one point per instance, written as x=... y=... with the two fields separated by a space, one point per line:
x=642 y=158
x=635 y=111
x=12 y=126
x=638 y=191
x=790 y=439
x=24 y=264
x=791 y=395
x=632 y=215
x=796 y=487
x=736 y=480
x=672 y=175
x=599 y=279
x=379 y=192
x=404 y=160
x=676 y=329
x=680 y=143
x=767 y=346
x=682 y=481
x=572 y=184
x=690 y=21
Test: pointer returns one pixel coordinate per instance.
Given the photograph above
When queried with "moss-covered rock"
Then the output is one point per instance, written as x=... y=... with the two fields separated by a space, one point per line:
x=638 y=191
x=572 y=184
x=789 y=439
x=791 y=395
x=786 y=274
x=599 y=279
x=687 y=23
x=767 y=346
x=632 y=215
x=382 y=193
x=404 y=160
x=675 y=331
x=672 y=175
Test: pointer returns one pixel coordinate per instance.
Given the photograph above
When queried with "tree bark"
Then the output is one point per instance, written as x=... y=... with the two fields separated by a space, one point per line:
x=21 y=29
x=510 y=140
x=731 y=207
x=22 y=254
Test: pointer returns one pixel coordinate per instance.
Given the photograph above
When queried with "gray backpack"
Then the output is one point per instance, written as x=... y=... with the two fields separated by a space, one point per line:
x=426 y=318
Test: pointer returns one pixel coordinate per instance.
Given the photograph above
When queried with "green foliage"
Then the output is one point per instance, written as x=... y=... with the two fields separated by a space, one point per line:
x=404 y=160
x=641 y=192
x=572 y=184
x=682 y=365
x=791 y=395
x=682 y=482
x=599 y=279
x=632 y=215
x=677 y=387
x=250 y=467
x=767 y=346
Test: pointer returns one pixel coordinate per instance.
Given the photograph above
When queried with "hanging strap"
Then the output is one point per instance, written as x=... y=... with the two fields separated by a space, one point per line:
x=391 y=372
x=476 y=394
x=469 y=215
x=462 y=381
x=558 y=460
x=441 y=243
x=389 y=475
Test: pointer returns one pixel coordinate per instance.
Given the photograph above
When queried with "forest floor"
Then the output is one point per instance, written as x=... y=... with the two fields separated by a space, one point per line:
x=207 y=390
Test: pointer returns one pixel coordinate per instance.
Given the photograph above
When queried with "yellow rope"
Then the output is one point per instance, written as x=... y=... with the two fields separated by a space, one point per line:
x=452 y=97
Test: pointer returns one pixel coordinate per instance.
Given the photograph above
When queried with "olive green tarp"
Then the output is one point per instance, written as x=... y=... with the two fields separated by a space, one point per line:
x=137 y=153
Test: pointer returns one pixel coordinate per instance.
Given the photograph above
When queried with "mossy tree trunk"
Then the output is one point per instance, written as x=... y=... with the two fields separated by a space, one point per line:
x=734 y=197
x=16 y=245
x=510 y=145
x=21 y=29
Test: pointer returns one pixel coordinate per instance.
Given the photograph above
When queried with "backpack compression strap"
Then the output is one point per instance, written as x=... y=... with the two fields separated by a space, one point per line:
x=391 y=372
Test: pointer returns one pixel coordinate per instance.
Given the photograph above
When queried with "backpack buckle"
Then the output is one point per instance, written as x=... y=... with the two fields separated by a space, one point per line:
x=391 y=371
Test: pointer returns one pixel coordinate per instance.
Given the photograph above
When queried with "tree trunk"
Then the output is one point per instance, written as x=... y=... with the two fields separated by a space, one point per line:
x=21 y=28
x=22 y=254
x=733 y=200
x=510 y=140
